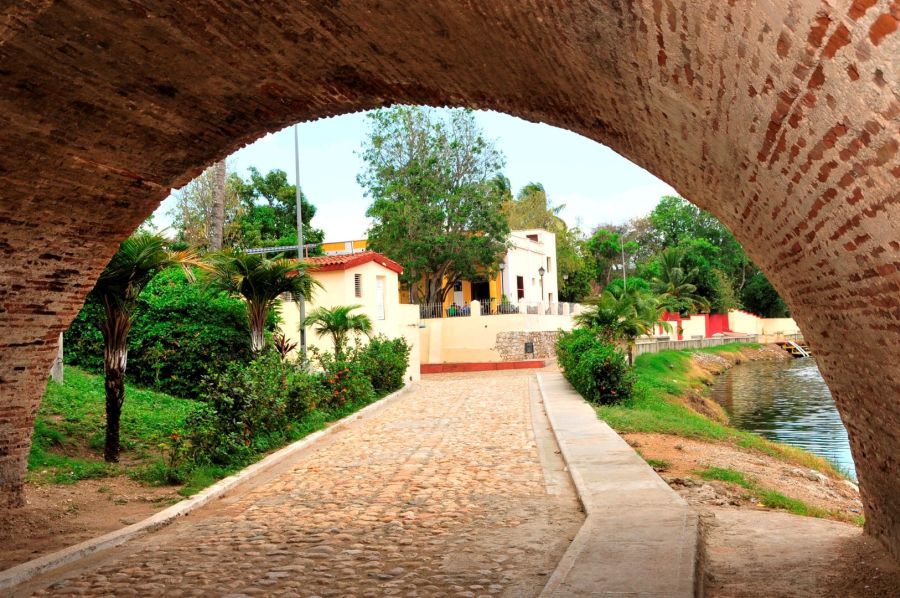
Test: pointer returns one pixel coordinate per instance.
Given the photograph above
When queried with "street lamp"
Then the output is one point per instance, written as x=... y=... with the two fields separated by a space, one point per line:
x=541 y=271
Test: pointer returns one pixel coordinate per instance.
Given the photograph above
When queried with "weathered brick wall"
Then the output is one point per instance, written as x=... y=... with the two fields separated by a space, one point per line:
x=779 y=117
x=511 y=345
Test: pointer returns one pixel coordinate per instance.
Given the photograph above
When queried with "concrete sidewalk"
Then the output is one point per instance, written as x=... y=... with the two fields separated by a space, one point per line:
x=640 y=538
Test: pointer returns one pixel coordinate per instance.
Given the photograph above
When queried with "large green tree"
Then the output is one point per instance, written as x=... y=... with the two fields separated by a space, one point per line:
x=436 y=202
x=269 y=211
x=208 y=210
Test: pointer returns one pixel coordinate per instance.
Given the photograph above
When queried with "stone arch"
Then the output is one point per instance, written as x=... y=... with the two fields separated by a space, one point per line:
x=780 y=118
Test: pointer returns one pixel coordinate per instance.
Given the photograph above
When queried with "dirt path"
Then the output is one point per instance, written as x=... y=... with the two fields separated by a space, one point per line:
x=752 y=553
x=441 y=493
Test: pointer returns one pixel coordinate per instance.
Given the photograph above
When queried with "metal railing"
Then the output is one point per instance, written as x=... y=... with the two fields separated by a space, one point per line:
x=492 y=307
x=661 y=344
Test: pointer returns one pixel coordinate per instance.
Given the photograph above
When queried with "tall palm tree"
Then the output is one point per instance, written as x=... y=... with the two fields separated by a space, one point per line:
x=259 y=280
x=674 y=287
x=138 y=260
x=337 y=323
x=620 y=315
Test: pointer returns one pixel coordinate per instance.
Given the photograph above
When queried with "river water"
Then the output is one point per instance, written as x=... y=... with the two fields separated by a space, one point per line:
x=786 y=401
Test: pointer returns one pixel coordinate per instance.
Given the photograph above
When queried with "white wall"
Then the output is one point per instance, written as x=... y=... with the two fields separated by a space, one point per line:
x=525 y=258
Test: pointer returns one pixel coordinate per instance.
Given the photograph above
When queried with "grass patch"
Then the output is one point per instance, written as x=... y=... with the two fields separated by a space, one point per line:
x=766 y=497
x=724 y=474
x=664 y=377
x=67 y=443
x=658 y=464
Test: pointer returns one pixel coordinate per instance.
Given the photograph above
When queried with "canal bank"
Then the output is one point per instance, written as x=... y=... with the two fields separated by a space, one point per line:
x=685 y=435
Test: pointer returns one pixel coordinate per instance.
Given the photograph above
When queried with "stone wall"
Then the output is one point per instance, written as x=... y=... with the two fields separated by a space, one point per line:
x=781 y=118
x=511 y=345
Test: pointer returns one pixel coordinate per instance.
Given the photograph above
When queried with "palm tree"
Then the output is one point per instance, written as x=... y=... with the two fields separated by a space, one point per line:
x=337 y=323
x=674 y=287
x=138 y=260
x=619 y=315
x=259 y=280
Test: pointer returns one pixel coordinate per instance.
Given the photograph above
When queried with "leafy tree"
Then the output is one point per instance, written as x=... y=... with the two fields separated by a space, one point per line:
x=269 y=205
x=436 y=200
x=138 y=260
x=196 y=214
x=674 y=287
x=761 y=298
x=338 y=322
x=604 y=250
x=259 y=280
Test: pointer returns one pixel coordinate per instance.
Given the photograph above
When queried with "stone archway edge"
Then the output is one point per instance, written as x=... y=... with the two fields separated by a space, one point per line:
x=67 y=556
x=639 y=537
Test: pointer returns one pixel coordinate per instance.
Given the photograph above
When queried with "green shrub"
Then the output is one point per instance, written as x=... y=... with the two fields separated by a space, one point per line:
x=597 y=369
x=346 y=380
x=385 y=362
x=180 y=335
x=246 y=405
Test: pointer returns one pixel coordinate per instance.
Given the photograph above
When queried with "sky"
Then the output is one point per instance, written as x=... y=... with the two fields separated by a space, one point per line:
x=595 y=184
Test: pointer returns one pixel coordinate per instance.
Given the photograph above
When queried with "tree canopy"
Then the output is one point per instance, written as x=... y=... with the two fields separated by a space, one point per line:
x=436 y=201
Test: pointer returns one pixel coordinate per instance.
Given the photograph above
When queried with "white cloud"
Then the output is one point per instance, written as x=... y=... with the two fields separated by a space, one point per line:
x=613 y=208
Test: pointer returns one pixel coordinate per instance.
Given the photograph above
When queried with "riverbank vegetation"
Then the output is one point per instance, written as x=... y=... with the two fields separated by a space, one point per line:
x=668 y=398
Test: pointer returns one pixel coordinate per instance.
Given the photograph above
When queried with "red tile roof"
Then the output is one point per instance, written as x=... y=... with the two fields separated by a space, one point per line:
x=328 y=263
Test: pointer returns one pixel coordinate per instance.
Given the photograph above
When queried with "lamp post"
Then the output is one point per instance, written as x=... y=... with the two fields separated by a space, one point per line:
x=541 y=271
x=300 y=241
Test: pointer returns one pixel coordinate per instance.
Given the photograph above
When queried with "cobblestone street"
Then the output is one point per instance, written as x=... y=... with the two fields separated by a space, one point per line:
x=448 y=491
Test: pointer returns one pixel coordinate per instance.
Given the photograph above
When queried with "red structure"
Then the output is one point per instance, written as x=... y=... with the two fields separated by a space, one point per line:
x=713 y=324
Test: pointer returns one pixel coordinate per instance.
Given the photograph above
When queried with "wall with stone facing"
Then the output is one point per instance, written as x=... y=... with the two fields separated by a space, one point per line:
x=511 y=345
x=781 y=118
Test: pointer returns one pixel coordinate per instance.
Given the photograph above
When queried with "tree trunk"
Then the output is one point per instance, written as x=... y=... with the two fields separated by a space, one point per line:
x=217 y=221
x=115 y=359
x=257 y=315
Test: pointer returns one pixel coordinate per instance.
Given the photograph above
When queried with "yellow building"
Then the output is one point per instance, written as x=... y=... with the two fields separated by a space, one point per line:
x=527 y=273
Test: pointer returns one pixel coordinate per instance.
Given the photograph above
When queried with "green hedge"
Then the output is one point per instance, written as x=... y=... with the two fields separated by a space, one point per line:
x=597 y=369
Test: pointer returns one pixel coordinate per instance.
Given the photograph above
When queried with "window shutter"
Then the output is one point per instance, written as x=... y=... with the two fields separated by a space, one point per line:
x=357 y=284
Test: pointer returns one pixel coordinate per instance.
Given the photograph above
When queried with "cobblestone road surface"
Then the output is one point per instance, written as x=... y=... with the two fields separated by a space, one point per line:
x=442 y=493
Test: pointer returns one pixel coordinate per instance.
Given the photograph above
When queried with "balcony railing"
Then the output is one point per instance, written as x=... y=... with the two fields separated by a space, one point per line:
x=496 y=308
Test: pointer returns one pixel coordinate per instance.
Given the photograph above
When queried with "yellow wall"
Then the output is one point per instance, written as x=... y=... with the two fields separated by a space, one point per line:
x=338 y=288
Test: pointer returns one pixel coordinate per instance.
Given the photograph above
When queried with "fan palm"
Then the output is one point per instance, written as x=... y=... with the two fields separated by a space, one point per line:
x=260 y=281
x=138 y=260
x=620 y=315
x=674 y=287
x=338 y=322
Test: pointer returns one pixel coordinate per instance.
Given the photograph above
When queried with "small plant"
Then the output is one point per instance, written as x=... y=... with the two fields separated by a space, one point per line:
x=283 y=346
x=385 y=362
x=724 y=474
x=659 y=465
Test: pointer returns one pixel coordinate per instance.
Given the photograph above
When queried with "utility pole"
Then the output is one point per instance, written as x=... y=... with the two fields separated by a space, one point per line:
x=624 y=280
x=300 y=241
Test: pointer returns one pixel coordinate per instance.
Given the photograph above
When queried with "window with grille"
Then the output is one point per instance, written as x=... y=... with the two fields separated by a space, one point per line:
x=357 y=285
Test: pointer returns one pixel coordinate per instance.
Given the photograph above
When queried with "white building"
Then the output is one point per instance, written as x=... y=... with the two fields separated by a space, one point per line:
x=529 y=267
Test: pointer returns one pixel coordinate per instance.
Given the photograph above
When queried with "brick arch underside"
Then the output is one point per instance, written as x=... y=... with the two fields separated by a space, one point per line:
x=781 y=118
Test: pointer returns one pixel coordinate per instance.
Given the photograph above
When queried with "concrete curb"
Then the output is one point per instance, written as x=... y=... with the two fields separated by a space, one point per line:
x=639 y=538
x=30 y=569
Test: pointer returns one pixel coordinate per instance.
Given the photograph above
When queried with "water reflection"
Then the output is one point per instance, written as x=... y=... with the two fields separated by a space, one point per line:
x=788 y=402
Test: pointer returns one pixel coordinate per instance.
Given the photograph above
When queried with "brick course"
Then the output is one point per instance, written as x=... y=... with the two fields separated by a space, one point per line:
x=781 y=118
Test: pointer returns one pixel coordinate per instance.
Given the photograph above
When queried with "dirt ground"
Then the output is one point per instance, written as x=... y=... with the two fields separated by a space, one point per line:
x=686 y=457
x=753 y=551
x=57 y=516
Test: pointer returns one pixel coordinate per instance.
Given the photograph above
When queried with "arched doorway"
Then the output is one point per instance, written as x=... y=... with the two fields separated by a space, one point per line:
x=782 y=120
